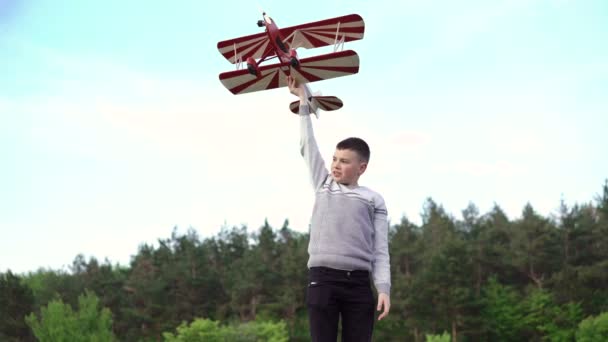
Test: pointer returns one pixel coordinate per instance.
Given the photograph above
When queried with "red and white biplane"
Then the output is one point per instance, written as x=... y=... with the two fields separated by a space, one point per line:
x=254 y=50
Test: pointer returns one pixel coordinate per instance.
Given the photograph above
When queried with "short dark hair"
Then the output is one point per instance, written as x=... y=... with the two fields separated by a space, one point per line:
x=355 y=144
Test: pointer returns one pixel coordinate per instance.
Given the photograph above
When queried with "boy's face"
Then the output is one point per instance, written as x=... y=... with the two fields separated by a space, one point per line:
x=346 y=167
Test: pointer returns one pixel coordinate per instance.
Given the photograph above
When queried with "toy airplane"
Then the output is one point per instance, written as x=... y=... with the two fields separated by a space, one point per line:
x=282 y=44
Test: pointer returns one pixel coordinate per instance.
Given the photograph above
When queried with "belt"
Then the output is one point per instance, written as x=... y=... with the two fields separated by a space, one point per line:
x=328 y=270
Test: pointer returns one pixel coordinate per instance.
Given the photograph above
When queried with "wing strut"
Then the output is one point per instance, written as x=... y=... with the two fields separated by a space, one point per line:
x=237 y=59
x=293 y=34
x=339 y=44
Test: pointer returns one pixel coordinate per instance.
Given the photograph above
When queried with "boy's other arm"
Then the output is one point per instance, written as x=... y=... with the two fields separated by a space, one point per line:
x=381 y=265
x=308 y=144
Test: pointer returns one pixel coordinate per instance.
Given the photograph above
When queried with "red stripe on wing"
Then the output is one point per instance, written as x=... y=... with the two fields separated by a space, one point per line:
x=307 y=77
x=274 y=82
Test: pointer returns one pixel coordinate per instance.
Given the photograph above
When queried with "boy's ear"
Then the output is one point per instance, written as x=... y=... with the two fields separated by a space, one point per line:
x=362 y=167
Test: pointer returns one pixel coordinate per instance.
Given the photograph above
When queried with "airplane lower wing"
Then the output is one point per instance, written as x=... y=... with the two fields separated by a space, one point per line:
x=311 y=69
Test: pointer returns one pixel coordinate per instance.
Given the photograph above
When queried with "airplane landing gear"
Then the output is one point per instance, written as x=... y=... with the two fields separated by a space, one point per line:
x=293 y=59
x=252 y=67
x=294 y=62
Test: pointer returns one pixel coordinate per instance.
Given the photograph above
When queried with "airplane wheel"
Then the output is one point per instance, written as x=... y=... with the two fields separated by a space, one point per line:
x=294 y=62
x=251 y=69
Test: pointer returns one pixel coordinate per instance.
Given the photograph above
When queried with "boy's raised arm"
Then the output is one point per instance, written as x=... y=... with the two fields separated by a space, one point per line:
x=308 y=144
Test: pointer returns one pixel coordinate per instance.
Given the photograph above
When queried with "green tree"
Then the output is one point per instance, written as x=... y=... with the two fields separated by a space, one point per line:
x=58 y=322
x=449 y=277
x=405 y=251
x=290 y=289
x=16 y=301
x=583 y=277
x=255 y=275
x=502 y=312
x=437 y=226
x=489 y=237
x=47 y=284
x=545 y=319
x=533 y=245
x=146 y=295
x=496 y=232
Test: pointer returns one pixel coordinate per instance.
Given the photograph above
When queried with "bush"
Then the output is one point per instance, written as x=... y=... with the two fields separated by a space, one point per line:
x=211 y=331
x=445 y=337
x=593 y=329
x=58 y=322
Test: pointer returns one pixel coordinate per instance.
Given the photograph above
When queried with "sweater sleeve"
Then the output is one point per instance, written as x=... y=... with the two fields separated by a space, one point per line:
x=381 y=264
x=310 y=150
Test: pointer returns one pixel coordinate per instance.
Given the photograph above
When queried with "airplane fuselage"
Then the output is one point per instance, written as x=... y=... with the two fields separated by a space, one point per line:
x=282 y=50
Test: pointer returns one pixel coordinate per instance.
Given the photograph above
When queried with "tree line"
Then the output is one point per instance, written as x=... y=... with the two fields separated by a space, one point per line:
x=476 y=277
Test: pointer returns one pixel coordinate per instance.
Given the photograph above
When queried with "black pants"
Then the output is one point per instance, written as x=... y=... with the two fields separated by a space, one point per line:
x=332 y=294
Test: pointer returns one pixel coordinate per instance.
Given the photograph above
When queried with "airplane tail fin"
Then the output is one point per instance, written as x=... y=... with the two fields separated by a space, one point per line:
x=326 y=103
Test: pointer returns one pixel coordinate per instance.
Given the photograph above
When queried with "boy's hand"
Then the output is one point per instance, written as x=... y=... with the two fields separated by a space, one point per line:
x=384 y=301
x=296 y=88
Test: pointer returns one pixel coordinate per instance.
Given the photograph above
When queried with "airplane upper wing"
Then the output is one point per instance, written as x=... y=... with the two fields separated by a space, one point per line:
x=255 y=46
x=311 y=69
x=312 y=35
x=324 y=32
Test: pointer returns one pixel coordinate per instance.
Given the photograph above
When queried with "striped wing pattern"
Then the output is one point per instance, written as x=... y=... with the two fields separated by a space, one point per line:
x=323 y=33
x=255 y=46
x=326 y=103
x=311 y=69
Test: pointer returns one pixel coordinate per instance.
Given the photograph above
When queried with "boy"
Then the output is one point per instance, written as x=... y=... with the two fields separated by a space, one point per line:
x=348 y=239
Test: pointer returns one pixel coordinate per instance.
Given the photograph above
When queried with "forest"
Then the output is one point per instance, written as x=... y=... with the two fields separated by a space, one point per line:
x=472 y=277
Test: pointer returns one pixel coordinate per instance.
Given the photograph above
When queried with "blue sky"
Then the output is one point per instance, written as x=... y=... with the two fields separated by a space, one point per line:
x=114 y=127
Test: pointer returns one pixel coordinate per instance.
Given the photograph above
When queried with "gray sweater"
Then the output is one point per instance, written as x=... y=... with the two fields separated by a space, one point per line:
x=349 y=227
